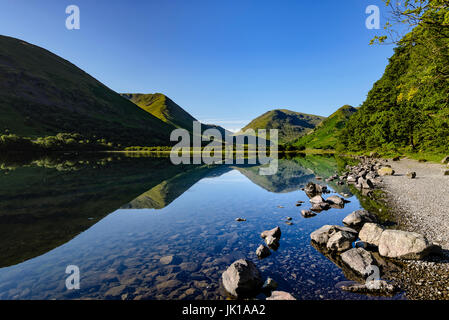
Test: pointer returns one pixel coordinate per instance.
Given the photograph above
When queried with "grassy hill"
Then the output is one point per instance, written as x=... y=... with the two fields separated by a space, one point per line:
x=324 y=136
x=290 y=124
x=165 y=109
x=42 y=94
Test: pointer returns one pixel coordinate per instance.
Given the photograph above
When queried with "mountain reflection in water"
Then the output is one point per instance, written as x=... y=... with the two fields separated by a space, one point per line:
x=135 y=232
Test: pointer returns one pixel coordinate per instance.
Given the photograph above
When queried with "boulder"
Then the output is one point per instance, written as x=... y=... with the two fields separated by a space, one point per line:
x=371 y=233
x=263 y=251
x=445 y=160
x=404 y=245
x=396 y=159
x=275 y=233
x=351 y=179
x=316 y=199
x=445 y=172
x=374 y=154
x=363 y=183
x=358 y=259
x=323 y=234
x=359 y=218
x=307 y=213
x=242 y=279
x=385 y=171
x=312 y=189
x=272 y=242
x=318 y=207
x=336 y=200
x=411 y=174
x=280 y=295
x=341 y=241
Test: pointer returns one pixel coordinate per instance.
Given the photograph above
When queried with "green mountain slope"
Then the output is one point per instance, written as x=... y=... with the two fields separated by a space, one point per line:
x=290 y=124
x=324 y=136
x=407 y=110
x=162 y=107
x=165 y=109
x=42 y=94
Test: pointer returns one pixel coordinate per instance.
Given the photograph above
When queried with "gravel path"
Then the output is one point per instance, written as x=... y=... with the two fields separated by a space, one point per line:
x=421 y=205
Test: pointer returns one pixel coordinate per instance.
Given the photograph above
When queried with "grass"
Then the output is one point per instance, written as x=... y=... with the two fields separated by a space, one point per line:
x=290 y=124
x=55 y=96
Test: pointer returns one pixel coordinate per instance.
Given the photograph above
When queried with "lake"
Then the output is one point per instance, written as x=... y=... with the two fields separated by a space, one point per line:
x=142 y=228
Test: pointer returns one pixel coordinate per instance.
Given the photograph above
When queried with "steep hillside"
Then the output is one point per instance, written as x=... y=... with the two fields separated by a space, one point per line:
x=290 y=124
x=165 y=109
x=42 y=94
x=408 y=108
x=162 y=107
x=324 y=136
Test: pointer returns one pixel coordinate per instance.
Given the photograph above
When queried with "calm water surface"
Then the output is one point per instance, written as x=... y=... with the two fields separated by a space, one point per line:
x=115 y=218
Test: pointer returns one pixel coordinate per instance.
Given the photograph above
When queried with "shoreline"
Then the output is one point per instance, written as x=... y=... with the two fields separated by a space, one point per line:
x=420 y=205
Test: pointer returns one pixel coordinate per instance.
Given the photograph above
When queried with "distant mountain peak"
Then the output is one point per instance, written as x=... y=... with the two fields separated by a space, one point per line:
x=291 y=124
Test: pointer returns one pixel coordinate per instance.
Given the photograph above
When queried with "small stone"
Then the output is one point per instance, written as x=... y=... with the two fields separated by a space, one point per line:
x=242 y=279
x=275 y=233
x=166 y=260
x=411 y=174
x=272 y=241
x=263 y=251
x=270 y=285
x=280 y=295
x=307 y=213
x=372 y=286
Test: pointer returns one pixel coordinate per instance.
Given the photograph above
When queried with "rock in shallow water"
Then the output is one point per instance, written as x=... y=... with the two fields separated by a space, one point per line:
x=323 y=234
x=317 y=199
x=280 y=295
x=358 y=218
x=336 y=200
x=270 y=285
x=307 y=213
x=374 y=287
x=341 y=241
x=275 y=233
x=242 y=279
x=358 y=259
x=272 y=242
x=263 y=251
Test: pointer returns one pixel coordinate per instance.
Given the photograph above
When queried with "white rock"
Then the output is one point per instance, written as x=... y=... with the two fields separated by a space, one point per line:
x=371 y=233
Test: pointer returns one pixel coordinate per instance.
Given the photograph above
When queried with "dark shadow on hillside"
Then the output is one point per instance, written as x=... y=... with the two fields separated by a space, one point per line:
x=45 y=203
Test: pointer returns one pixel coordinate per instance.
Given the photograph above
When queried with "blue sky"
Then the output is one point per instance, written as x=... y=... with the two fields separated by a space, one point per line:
x=225 y=62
